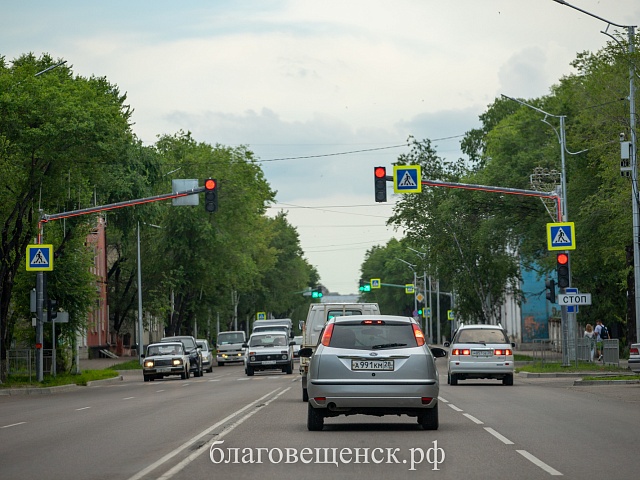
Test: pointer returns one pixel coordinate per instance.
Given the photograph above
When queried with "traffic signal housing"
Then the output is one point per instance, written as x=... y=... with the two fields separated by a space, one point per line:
x=380 y=183
x=550 y=284
x=562 y=268
x=317 y=292
x=365 y=286
x=52 y=309
x=211 y=195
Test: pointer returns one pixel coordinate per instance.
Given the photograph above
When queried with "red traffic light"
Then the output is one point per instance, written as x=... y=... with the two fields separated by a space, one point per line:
x=563 y=258
x=210 y=184
x=380 y=172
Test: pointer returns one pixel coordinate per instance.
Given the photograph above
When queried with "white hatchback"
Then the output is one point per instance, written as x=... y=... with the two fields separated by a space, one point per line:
x=480 y=351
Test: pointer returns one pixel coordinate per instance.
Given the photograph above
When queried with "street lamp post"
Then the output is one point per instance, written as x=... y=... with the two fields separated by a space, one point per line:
x=415 y=278
x=632 y=154
x=568 y=321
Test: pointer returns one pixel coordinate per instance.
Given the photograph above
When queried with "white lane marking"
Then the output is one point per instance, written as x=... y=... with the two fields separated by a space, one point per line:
x=158 y=391
x=13 y=425
x=473 y=419
x=191 y=441
x=539 y=463
x=455 y=408
x=443 y=400
x=214 y=380
x=499 y=436
x=128 y=398
x=226 y=430
x=83 y=408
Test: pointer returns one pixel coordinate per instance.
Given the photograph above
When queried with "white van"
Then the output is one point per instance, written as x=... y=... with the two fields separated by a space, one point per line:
x=274 y=324
x=229 y=347
x=319 y=314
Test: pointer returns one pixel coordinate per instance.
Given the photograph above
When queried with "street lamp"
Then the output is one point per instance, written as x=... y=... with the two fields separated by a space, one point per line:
x=632 y=154
x=140 y=325
x=413 y=269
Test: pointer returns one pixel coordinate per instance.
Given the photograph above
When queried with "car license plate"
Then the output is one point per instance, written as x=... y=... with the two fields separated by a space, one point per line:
x=269 y=362
x=481 y=353
x=385 y=365
x=163 y=369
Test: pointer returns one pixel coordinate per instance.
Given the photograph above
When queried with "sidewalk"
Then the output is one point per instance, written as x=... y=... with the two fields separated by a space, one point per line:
x=102 y=363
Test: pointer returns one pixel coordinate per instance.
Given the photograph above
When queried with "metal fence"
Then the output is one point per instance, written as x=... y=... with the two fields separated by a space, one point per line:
x=23 y=362
x=585 y=349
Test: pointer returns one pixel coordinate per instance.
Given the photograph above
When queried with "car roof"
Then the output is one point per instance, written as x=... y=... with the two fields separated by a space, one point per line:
x=355 y=318
x=269 y=332
x=164 y=344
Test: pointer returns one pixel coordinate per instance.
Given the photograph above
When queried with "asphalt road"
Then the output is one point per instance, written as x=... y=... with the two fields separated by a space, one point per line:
x=227 y=425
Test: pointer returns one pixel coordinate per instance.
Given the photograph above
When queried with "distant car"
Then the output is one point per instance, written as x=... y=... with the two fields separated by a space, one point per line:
x=634 y=357
x=297 y=343
x=191 y=347
x=270 y=350
x=480 y=351
x=207 y=355
x=165 y=359
x=372 y=365
x=229 y=347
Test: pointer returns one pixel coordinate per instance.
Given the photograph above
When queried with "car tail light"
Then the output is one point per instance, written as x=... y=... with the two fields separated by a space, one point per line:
x=373 y=322
x=633 y=351
x=326 y=336
x=506 y=351
x=426 y=400
x=417 y=333
x=461 y=351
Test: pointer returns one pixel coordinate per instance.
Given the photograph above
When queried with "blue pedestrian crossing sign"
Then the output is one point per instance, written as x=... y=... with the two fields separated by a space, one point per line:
x=561 y=236
x=39 y=258
x=407 y=179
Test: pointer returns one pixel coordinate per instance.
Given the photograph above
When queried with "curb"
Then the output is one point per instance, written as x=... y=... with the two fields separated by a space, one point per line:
x=58 y=389
x=578 y=383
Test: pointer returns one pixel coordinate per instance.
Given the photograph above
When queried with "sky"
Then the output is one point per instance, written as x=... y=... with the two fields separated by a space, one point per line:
x=321 y=91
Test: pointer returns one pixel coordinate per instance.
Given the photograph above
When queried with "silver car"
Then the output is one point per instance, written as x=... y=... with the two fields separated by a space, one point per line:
x=480 y=351
x=634 y=357
x=372 y=365
x=207 y=355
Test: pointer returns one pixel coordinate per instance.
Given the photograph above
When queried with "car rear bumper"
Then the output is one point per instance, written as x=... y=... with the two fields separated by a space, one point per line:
x=361 y=395
x=230 y=357
x=634 y=364
x=267 y=365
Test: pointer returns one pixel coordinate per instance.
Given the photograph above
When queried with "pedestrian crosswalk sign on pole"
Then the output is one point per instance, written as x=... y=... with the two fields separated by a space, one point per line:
x=407 y=179
x=261 y=315
x=561 y=236
x=39 y=258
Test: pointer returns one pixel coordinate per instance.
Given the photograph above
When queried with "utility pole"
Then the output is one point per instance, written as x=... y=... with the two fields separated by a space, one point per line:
x=632 y=153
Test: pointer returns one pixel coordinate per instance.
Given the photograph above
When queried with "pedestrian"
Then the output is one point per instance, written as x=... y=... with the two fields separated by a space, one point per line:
x=602 y=333
x=591 y=335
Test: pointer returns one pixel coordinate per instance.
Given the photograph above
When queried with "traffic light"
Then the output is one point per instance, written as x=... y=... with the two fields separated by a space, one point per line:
x=563 y=270
x=52 y=309
x=365 y=286
x=380 y=183
x=550 y=284
x=211 y=195
x=421 y=309
x=316 y=292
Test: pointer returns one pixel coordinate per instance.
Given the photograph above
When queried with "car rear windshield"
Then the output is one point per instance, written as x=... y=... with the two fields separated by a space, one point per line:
x=342 y=313
x=481 y=335
x=372 y=337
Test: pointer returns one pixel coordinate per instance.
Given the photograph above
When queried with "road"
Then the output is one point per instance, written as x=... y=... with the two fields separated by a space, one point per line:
x=167 y=429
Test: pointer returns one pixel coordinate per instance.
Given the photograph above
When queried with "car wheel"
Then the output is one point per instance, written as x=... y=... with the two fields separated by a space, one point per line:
x=448 y=379
x=429 y=419
x=289 y=369
x=221 y=364
x=454 y=379
x=249 y=371
x=305 y=395
x=188 y=372
x=146 y=378
x=507 y=379
x=184 y=374
x=315 y=419
x=151 y=378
